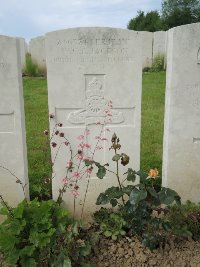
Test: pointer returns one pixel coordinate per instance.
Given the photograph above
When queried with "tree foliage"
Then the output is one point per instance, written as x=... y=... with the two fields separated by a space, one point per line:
x=173 y=13
x=150 y=22
x=180 y=12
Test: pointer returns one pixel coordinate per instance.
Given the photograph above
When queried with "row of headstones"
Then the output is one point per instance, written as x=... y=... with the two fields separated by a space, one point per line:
x=87 y=67
x=153 y=44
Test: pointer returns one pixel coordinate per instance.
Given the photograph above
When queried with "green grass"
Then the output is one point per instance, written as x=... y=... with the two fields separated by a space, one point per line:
x=153 y=97
x=36 y=111
x=36 y=115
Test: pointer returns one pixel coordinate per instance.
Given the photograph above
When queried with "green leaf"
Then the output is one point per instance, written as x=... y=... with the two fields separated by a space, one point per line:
x=131 y=175
x=18 y=211
x=88 y=162
x=28 y=262
x=13 y=256
x=143 y=175
x=137 y=195
x=122 y=232
x=113 y=202
x=102 y=199
x=7 y=239
x=85 y=251
x=67 y=262
x=107 y=233
x=114 y=192
x=114 y=237
x=4 y=211
x=116 y=157
x=101 y=172
x=152 y=192
x=61 y=261
x=27 y=251
x=167 y=196
x=127 y=190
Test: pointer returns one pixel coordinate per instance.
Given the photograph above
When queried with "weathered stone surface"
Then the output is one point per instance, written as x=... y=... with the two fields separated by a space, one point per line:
x=23 y=51
x=87 y=67
x=159 y=43
x=37 y=51
x=147 y=48
x=182 y=113
x=12 y=127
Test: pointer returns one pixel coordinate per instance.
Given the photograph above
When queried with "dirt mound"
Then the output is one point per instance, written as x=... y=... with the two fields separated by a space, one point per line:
x=131 y=253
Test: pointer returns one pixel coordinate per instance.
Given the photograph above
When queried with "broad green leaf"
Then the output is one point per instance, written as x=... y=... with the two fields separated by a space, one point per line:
x=4 y=211
x=127 y=190
x=137 y=195
x=114 y=237
x=18 y=211
x=167 y=196
x=143 y=176
x=152 y=192
x=116 y=157
x=113 y=202
x=88 y=162
x=107 y=233
x=84 y=251
x=13 y=256
x=114 y=192
x=122 y=232
x=102 y=199
x=131 y=175
x=101 y=172
x=27 y=251
x=67 y=262
x=28 y=262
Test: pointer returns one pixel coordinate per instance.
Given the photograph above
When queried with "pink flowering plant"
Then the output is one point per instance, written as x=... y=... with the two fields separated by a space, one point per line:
x=43 y=233
x=78 y=165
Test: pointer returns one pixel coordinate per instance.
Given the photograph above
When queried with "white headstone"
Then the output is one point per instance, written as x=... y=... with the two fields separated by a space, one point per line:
x=87 y=67
x=12 y=126
x=147 y=48
x=37 y=51
x=181 y=152
x=159 y=43
x=22 y=45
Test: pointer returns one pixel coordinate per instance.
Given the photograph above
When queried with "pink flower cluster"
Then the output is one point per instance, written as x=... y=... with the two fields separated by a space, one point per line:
x=84 y=145
x=69 y=164
x=101 y=138
x=76 y=175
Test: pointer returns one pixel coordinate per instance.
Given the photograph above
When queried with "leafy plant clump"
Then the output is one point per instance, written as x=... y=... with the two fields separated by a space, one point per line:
x=41 y=234
x=111 y=224
x=158 y=63
x=139 y=204
x=32 y=69
x=185 y=220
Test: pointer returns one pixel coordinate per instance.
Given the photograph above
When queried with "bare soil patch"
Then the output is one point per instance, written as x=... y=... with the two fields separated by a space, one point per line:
x=131 y=253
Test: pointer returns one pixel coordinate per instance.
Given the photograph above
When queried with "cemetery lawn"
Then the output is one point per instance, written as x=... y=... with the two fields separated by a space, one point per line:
x=36 y=115
x=37 y=120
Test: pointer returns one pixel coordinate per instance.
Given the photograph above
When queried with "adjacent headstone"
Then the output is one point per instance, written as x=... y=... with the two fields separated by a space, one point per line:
x=37 y=51
x=12 y=126
x=181 y=152
x=86 y=68
x=147 y=48
x=159 y=43
x=22 y=46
